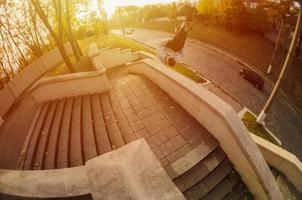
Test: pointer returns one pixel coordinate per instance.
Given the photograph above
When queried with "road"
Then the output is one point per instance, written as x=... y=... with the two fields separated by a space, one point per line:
x=223 y=72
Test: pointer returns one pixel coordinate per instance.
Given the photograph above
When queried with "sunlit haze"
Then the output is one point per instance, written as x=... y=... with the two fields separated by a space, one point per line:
x=111 y=5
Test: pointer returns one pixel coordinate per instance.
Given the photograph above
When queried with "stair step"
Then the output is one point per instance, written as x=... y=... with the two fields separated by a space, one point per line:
x=28 y=164
x=29 y=136
x=89 y=145
x=116 y=139
x=185 y=163
x=63 y=143
x=200 y=170
x=224 y=187
x=209 y=182
x=237 y=192
x=76 y=157
x=51 y=151
x=44 y=136
x=101 y=136
x=122 y=123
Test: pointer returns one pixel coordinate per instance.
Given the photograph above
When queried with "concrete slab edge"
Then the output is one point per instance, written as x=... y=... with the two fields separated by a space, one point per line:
x=188 y=161
x=58 y=183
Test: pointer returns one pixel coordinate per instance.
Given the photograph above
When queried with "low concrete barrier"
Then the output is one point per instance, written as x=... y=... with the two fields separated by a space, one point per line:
x=282 y=160
x=221 y=121
x=70 y=85
x=45 y=184
x=28 y=76
x=110 y=58
x=7 y=99
x=130 y=172
x=93 y=50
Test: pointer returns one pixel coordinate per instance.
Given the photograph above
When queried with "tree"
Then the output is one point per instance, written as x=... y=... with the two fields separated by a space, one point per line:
x=235 y=14
x=186 y=9
x=58 y=38
x=206 y=7
x=151 y=12
x=75 y=47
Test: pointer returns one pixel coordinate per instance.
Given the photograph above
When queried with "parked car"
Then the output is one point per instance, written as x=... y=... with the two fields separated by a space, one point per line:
x=252 y=77
x=130 y=31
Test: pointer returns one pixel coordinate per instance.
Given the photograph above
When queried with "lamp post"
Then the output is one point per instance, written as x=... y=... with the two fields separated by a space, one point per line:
x=276 y=47
x=287 y=63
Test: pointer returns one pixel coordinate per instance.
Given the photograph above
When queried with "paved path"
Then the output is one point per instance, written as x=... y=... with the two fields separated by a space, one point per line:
x=224 y=73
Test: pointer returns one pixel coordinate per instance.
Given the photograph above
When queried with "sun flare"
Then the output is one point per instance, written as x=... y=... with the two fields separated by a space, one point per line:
x=111 y=5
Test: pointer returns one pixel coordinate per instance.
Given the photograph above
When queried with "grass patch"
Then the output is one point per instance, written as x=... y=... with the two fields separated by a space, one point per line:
x=187 y=72
x=249 y=121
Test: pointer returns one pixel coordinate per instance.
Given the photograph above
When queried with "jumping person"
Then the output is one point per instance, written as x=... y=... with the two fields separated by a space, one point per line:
x=170 y=51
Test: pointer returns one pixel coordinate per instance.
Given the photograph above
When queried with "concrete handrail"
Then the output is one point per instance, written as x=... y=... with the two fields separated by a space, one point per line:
x=66 y=77
x=56 y=183
x=284 y=161
x=70 y=85
x=221 y=121
x=28 y=76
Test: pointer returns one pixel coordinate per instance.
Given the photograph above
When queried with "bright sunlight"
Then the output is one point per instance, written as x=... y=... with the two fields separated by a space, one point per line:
x=110 y=5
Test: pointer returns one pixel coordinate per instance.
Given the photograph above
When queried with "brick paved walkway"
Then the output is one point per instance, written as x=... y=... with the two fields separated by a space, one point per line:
x=169 y=130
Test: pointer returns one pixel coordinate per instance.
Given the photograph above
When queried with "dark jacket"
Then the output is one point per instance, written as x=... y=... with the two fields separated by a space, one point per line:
x=178 y=41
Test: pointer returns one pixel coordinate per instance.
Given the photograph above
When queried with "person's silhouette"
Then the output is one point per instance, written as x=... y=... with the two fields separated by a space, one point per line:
x=170 y=51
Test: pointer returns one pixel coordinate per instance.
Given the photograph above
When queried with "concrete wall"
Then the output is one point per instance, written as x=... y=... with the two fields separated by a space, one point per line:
x=221 y=120
x=110 y=58
x=28 y=76
x=282 y=160
x=70 y=85
x=114 y=175
x=7 y=99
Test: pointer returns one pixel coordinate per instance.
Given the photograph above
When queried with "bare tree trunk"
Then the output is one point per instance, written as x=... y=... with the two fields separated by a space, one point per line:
x=70 y=34
x=16 y=45
x=58 y=40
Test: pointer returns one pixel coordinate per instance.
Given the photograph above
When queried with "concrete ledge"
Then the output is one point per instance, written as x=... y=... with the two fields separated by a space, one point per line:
x=7 y=99
x=70 y=85
x=93 y=50
x=97 y=62
x=28 y=76
x=221 y=121
x=130 y=172
x=284 y=161
x=45 y=184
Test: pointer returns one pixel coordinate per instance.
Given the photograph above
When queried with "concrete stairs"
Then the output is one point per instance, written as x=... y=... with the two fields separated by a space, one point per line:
x=68 y=132
x=214 y=177
x=287 y=188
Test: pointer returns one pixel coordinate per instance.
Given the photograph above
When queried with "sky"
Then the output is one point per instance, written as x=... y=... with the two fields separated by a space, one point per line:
x=110 y=5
